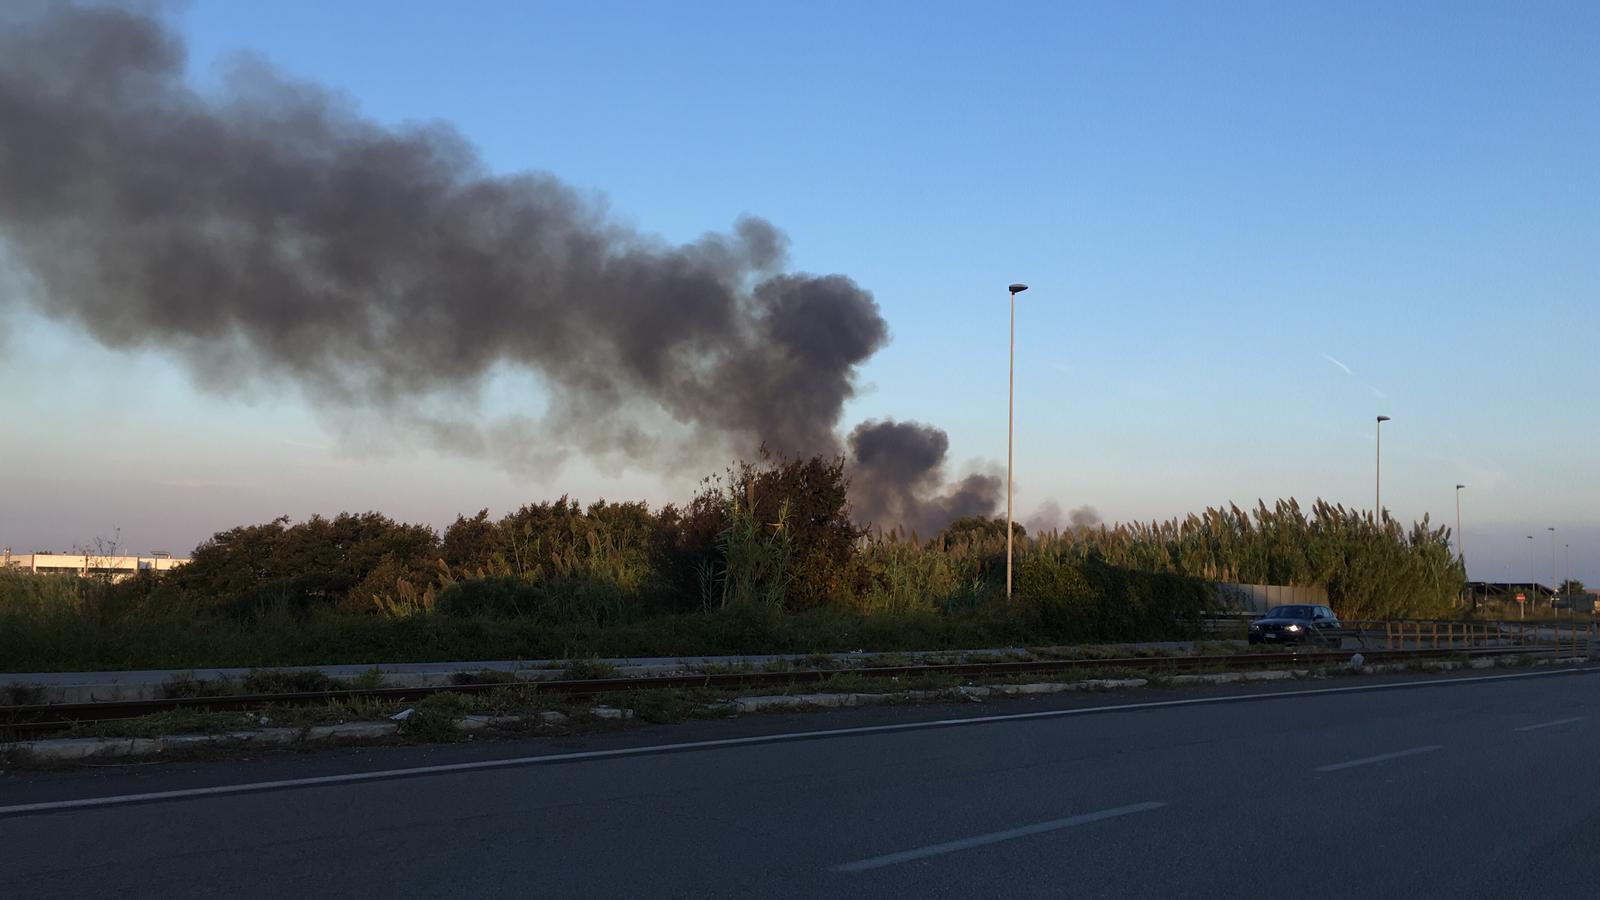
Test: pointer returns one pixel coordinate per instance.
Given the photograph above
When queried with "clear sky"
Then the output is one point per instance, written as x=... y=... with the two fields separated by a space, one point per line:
x=1250 y=228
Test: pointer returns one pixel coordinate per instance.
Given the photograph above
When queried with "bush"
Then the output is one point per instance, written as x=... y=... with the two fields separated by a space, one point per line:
x=765 y=559
x=497 y=596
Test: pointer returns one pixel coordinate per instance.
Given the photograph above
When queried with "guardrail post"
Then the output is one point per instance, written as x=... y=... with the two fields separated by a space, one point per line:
x=1436 y=635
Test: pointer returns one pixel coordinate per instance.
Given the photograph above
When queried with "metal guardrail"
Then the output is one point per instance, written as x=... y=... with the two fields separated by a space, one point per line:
x=44 y=718
x=1439 y=634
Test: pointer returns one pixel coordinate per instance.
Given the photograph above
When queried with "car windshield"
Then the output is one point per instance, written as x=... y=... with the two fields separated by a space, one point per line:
x=1289 y=612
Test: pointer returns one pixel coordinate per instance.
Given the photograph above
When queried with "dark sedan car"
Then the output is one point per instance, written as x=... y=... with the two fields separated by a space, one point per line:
x=1296 y=624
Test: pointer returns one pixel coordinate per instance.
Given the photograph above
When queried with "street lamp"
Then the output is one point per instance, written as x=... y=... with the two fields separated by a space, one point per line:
x=1377 y=511
x=1553 y=584
x=1011 y=412
x=1533 y=568
x=1460 y=551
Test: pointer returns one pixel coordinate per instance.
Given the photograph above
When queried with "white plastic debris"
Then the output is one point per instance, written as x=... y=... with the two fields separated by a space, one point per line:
x=402 y=715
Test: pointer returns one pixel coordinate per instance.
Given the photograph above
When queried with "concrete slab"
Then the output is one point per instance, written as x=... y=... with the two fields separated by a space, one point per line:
x=352 y=731
x=1111 y=684
x=68 y=749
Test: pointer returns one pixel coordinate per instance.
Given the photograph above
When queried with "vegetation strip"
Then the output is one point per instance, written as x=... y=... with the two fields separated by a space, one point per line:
x=44 y=718
x=768 y=559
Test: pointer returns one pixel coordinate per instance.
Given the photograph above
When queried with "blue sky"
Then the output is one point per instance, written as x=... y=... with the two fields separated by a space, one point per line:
x=1249 y=227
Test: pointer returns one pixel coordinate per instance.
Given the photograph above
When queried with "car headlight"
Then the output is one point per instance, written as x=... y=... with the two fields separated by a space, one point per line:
x=1291 y=628
x=1254 y=627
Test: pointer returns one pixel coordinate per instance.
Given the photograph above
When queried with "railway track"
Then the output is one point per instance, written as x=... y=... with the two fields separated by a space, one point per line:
x=30 y=720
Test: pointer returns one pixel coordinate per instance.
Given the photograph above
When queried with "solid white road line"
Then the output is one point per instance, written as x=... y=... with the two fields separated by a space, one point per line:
x=1368 y=760
x=983 y=840
x=1549 y=724
x=783 y=737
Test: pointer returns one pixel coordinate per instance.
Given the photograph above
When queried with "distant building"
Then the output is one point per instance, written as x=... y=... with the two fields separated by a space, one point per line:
x=87 y=565
x=1507 y=591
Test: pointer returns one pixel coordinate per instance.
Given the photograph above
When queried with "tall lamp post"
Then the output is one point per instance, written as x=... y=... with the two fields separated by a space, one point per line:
x=1533 y=569
x=1460 y=550
x=1377 y=510
x=1553 y=583
x=1011 y=412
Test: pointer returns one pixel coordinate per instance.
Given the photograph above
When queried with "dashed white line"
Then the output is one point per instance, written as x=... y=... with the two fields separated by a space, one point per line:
x=1549 y=724
x=1382 y=757
x=983 y=840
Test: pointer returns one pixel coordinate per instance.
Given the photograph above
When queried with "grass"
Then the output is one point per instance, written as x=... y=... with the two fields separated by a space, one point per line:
x=19 y=694
x=61 y=640
x=485 y=676
x=589 y=669
x=55 y=624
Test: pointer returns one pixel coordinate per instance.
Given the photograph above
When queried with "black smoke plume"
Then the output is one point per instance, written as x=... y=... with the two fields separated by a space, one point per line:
x=899 y=479
x=271 y=232
x=1050 y=517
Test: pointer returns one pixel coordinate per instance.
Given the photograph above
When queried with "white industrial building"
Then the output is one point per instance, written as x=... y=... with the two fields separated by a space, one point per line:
x=85 y=565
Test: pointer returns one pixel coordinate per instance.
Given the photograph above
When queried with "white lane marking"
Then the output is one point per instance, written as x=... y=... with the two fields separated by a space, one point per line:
x=1549 y=724
x=782 y=737
x=983 y=840
x=1368 y=760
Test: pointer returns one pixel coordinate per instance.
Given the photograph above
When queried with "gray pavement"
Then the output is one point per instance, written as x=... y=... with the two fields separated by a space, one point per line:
x=1478 y=788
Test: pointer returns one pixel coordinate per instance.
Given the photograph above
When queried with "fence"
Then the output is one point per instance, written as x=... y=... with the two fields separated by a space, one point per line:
x=1422 y=634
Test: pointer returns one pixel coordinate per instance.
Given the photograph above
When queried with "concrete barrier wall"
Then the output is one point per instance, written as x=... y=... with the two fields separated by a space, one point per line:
x=1258 y=598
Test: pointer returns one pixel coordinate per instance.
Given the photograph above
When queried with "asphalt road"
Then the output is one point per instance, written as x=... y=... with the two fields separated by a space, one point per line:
x=1479 y=788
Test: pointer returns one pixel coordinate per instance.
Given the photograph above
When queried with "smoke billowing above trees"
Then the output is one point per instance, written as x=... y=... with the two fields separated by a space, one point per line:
x=271 y=232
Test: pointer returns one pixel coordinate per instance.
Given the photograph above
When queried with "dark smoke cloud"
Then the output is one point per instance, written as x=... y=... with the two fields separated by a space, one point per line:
x=271 y=232
x=898 y=479
x=1085 y=517
x=1050 y=517
x=274 y=230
